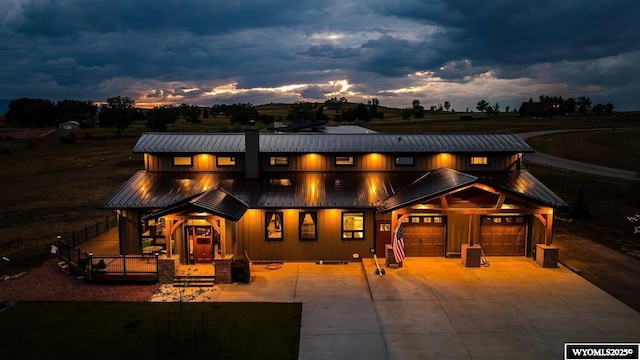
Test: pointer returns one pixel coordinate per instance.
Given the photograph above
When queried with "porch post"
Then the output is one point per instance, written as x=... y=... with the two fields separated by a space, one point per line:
x=169 y=237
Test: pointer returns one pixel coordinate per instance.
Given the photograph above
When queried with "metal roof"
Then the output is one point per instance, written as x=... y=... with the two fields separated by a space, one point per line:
x=442 y=181
x=333 y=143
x=155 y=190
x=430 y=185
x=216 y=201
x=525 y=184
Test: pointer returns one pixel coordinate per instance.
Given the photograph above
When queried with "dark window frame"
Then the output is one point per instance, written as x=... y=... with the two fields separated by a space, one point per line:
x=231 y=159
x=273 y=161
x=314 y=217
x=352 y=232
x=183 y=158
x=352 y=161
x=267 y=220
x=413 y=160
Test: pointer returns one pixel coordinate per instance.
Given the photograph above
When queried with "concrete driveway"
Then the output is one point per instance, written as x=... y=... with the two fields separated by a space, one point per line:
x=435 y=308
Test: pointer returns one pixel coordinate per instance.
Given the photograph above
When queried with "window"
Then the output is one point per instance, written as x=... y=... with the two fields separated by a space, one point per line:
x=273 y=226
x=307 y=223
x=225 y=160
x=405 y=161
x=344 y=160
x=479 y=160
x=279 y=161
x=352 y=226
x=182 y=161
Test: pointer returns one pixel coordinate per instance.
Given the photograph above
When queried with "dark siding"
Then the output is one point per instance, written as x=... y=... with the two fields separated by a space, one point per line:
x=129 y=231
x=329 y=245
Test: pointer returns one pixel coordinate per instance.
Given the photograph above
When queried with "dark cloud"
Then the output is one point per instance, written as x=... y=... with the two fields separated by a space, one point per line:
x=172 y=50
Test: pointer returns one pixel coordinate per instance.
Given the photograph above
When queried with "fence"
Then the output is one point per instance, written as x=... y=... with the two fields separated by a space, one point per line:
x=109 y=268
x=89 y=232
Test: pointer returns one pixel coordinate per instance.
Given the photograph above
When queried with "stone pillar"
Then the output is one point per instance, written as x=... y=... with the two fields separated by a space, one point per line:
x=222 y=266
x=166 y=269
x=547 y=255
x=471 y=255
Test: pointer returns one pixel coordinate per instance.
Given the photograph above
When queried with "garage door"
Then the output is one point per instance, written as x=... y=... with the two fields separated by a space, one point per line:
x=503 y=235
x=424 y=236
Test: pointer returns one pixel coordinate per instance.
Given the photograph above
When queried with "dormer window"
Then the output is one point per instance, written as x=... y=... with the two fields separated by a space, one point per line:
x=279 y=161
x=479 y=160
x=405 y=161
x=182 y=161
x=225 y=160
x=345 y=160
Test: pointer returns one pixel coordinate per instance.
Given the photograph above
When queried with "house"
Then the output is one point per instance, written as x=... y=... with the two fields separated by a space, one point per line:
x=69 y=125
x=536 y=109
x=338 y=197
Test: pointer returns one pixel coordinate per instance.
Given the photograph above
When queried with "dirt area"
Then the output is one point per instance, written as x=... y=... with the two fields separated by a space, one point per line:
x=24 y=134
x=49 y=283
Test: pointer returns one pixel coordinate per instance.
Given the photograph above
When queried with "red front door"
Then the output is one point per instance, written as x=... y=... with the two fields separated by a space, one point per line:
x=201 y=243
x=383 y=237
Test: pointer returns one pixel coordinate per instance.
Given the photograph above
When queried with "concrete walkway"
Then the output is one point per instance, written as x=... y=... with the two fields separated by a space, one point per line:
x=435 y=308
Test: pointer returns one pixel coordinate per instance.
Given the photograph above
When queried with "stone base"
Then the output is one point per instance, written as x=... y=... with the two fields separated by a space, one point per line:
x=222 y=266
x=390 y=259
x=166 y=269
x=547 y=256
x=471 y=255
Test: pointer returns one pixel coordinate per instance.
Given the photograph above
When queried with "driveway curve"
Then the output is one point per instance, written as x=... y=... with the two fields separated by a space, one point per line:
x=543 y=159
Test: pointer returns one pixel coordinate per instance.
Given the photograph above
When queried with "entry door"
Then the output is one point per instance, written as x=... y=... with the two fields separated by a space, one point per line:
x=383 y=237
x=201 y=243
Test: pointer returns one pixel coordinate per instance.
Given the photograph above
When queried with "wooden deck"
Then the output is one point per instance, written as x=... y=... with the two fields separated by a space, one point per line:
x=104 y=244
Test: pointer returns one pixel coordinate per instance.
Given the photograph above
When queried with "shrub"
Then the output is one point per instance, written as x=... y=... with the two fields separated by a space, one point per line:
x=69 y=138
x=30 y=143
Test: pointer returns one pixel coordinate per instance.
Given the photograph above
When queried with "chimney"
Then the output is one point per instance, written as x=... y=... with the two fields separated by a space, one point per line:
x=252 y=151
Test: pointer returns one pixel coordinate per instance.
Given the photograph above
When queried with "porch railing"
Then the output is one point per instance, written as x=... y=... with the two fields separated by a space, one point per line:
x=109 y=267
x=89 y=232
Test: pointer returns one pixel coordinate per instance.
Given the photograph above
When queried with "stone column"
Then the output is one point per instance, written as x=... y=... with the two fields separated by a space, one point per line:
x=222 y=266
x=471 y=255
x=547 y=255
x=166 y=269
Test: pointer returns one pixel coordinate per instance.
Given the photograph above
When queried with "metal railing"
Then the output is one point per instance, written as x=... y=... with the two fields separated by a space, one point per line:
x=109 y=267
x=89 y=232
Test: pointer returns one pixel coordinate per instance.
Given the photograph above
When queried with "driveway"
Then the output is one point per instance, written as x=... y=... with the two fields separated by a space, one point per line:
x=435 y=308
x=542 y=159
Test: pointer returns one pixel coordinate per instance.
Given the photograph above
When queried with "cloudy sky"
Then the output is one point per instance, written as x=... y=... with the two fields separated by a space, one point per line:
x=209 y=52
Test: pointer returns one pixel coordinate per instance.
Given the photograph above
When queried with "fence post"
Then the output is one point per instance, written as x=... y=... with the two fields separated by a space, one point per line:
x=124 y=264
x=106 y=221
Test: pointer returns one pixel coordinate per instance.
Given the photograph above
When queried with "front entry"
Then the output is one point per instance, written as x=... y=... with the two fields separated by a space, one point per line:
x=200 y=242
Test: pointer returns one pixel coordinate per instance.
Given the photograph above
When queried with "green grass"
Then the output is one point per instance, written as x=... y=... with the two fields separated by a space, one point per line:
x=103 y=330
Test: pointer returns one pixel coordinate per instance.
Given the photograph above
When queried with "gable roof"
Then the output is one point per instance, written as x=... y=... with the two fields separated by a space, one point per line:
x=215 y=201
x=334 y=143
x=430 y=185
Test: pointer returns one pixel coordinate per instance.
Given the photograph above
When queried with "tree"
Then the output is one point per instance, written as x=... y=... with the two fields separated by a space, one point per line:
x=25 y=112
x=482 y=105
x=583 y=103
x=407 y=113
x=82 y=111
x=373 y=108
x=160 y=116
x=507 y=109
x=361 y=113
x=118 y=112
x=417 y=109
x=191 y=113
x=447 y=105
x=242 y=113
x=301 y=111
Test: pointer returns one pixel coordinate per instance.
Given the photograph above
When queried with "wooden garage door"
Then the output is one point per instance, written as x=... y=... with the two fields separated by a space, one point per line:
x=424 y=236
x=503 y=235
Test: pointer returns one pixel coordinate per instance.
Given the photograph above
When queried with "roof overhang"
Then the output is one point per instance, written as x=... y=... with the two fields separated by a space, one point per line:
x=217 y=202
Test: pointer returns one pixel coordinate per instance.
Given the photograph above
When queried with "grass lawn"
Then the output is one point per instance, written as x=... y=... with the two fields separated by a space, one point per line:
x=104 y=330
x=617 y=148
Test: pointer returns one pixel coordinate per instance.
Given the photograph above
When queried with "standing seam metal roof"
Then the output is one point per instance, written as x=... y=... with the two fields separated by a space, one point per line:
x=334 y=143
